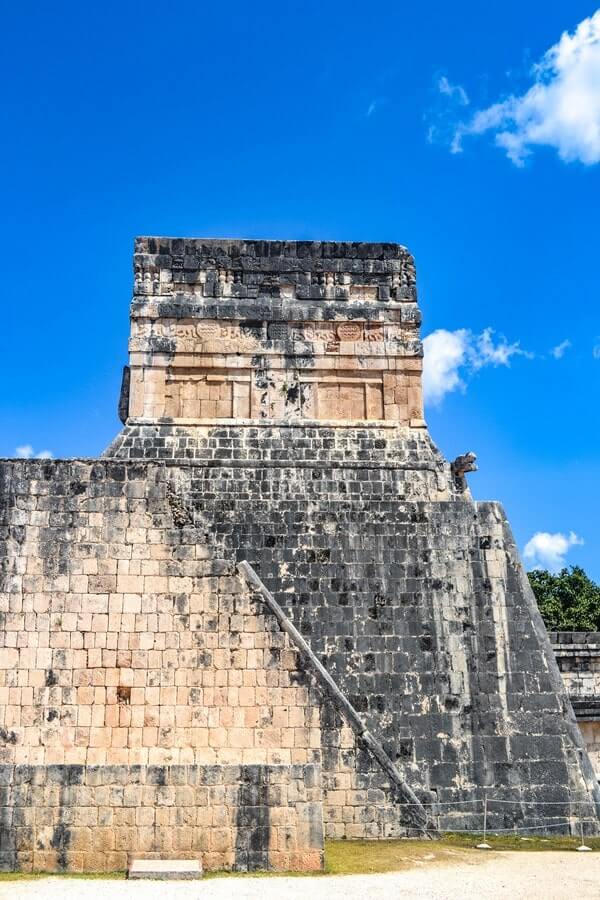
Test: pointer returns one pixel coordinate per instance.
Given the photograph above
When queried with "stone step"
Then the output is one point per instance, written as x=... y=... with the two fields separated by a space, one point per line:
x=165 y=869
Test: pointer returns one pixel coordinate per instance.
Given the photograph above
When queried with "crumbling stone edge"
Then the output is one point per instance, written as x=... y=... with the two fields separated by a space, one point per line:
x=416 y=812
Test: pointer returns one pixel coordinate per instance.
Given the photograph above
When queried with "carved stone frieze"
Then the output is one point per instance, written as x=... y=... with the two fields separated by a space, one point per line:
x=250 y=333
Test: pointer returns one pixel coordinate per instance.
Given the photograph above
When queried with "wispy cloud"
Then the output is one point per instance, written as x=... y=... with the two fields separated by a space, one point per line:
x=26 y=451
x=596 y=352
x=456 y=91
x=374 y=106
x=448 y=106
x=559 y=351
x=561 y=108
x=451 y=356
x=548 y=551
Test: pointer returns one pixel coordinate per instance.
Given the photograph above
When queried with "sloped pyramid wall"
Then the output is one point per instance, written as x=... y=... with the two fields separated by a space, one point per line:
x=149 y=706
x=419 y=608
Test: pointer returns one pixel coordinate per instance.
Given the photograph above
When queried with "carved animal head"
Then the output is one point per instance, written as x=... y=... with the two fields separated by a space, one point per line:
x=464 y=463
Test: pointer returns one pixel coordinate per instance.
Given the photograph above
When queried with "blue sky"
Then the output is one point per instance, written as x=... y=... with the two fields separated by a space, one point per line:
x=418 y=123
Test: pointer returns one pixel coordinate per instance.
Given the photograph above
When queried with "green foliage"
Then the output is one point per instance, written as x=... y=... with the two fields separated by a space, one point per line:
x=568 y=601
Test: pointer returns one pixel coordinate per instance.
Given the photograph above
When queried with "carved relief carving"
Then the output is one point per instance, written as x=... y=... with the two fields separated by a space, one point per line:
x=208 y=331
x=278 y=331
x=350 y=331
x=374 y=331
x=190 y=336
x=147 y=282
x=324 y=332
x=363 y=292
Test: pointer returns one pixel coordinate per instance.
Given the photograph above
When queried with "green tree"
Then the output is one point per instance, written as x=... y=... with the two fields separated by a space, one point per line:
x=568 y=601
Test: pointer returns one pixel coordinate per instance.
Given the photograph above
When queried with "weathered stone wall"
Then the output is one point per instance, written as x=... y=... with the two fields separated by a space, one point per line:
x=247 y=330
x=590 y=731
x=95 y=818
x=578 y=657
x=127 y=643
x=404 y=463
x=419 y=605
x=272 y=413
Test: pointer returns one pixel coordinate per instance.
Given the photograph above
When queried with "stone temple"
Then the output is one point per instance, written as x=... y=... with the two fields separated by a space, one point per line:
x=271 y=612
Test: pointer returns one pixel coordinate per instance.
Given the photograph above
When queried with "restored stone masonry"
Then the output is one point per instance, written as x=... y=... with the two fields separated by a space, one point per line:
x=233 y=330
x=377 y=662
x=578 y=657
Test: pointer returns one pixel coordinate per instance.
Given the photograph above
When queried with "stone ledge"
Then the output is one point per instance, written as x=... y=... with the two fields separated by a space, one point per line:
x=278 y=423
x=185 y=304
x=261 y=248
x=584 y=650
x=572 y=639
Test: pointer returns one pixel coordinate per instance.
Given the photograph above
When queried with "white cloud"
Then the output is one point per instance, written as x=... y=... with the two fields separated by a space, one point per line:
x=559 y=351
x=26 y=452
x=450 y=355
x=448 y=106
x=561 y=109
x=596 y=352
x=374 y=105
x=548 y=551
x=444 y=354
x=483 y=351
x=455 y=91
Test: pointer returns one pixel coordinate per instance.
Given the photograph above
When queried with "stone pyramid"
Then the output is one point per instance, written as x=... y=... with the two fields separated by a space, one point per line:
x=272 y=611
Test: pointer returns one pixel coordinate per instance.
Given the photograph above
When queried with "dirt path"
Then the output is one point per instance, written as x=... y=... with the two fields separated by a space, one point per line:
x=502 y=876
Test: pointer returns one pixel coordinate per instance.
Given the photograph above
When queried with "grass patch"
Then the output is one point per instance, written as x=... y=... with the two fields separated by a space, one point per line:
x=518 y=842
x=370 y=857
x=365 y=857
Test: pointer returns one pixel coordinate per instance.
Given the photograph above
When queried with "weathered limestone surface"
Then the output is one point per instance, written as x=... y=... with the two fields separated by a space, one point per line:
x=134 y=655
x=272 y=413
x=578 y=657
x=234 y=330
x=97 y=818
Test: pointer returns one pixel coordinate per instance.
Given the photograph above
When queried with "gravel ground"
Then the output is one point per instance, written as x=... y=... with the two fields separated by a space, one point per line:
x=514 y=876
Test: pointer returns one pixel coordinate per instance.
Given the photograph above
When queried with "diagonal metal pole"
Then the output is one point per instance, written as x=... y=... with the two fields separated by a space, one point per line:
x=416 y=811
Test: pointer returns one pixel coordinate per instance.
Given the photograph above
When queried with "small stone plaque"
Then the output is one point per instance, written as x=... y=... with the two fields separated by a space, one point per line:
x=207 y=331
x=287 y=291
x=278 y=331
x=363 y=292
x=349 y=331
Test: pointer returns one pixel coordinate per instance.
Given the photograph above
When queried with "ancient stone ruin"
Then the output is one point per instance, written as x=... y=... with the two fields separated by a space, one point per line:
x=271 y=612
x=578 y=657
